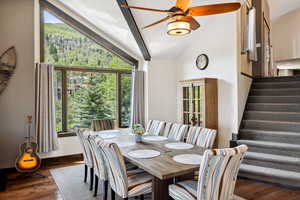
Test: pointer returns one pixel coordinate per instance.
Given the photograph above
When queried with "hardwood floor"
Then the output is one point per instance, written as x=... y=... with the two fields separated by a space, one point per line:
x=36 y=188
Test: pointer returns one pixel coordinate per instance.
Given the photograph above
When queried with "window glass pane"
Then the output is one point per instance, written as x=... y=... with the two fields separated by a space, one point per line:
x=58 y=99
x=125 y=99
x=65 y=46
x=91 y=95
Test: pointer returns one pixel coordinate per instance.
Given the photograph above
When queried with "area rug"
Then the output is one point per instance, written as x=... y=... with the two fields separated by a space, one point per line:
x=71 y=186
x=69 y=181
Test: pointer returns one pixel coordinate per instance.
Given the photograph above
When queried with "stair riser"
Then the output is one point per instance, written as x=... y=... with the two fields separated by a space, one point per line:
x=282 y=152
x=274 y=108
x=270 y=99
x=276 y=85
x=273 y=164
x=273 y=117
x=261 y=125
x=286 y=92
x=277 y=79
x=270 y=138
x=284 y=182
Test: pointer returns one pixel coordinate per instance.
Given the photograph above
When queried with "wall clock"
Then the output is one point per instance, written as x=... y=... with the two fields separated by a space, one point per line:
x=202 y=61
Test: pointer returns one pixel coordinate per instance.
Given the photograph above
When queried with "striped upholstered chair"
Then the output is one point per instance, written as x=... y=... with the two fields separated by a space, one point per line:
x=125 y=184
x=202 y=137
x=99 y=165
x=102 y=124
x=217 y=176
x=177 y=132
x=155 y=127
x=87 y=154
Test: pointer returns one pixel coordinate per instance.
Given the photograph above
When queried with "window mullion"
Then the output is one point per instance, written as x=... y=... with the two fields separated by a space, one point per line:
x=118 y=111
x=64 y=101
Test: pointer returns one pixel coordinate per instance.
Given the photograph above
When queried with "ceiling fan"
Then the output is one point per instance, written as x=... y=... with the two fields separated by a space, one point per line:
x=183 y=16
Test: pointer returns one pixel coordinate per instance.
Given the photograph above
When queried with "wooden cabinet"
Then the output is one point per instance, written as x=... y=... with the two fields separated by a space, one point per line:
x=199 y=102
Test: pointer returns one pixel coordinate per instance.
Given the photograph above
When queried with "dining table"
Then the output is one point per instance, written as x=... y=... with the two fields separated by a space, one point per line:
x=163 y=168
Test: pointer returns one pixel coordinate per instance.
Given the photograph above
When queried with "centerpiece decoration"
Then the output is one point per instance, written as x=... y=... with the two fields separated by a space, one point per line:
x=138 y=130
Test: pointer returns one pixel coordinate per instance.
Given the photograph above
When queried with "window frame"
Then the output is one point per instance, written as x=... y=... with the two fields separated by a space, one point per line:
x=46 y=6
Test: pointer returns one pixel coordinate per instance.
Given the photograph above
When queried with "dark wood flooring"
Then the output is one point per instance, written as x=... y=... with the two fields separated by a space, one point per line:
x=36 y=188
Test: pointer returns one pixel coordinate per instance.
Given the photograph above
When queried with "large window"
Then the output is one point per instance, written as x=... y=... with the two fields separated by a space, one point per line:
x=90 y=81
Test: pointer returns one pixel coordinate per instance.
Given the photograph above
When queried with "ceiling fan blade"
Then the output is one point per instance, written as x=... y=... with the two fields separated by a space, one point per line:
x=213 y=9
x=194 y=24
x=183 y=4
x=158 y=22
x=147 y=9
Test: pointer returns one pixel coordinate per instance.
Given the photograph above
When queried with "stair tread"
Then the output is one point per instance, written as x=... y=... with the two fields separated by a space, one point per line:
x=276 y=103
x=269 y=144
x=274 y=96
x=277 y=82
x=270 y=172
x=272 y=158
x=276 y=89
x=268 y=121
x=270 y=132
x=271 y=112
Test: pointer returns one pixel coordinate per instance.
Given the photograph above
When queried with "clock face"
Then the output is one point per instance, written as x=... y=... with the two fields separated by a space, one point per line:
x=202 y=62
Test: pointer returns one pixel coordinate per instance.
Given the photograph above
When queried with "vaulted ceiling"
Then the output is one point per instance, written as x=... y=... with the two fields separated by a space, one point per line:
x=279 y=8
x=106 y=15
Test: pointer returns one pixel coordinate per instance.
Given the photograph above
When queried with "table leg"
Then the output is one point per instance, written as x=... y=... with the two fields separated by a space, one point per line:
x=160 y=189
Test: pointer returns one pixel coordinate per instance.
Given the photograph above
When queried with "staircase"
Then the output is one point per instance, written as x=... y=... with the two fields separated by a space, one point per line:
x=271 y=129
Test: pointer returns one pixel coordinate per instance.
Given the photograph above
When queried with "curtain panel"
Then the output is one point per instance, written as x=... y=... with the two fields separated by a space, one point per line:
x=45 y=108
x=138 y=98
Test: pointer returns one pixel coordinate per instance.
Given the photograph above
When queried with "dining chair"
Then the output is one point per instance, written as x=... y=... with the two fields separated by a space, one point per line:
x=100 y=170
x=155 y=127
x=122 y=183
x=217 y=176
x=202 y=137
x=178 y=132
x=102 y=124
x=87 y=154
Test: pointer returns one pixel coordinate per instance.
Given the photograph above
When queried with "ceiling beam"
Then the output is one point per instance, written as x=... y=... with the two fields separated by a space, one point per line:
x=134 y=29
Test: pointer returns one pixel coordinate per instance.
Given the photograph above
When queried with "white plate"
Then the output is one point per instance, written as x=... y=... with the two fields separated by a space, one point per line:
x=144 y=153
x=188 y=159
x=107 y=136
x=108 y=132
x=179 y=145
x=152 y=138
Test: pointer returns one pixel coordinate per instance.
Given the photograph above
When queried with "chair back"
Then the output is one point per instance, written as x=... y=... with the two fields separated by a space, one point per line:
x=193 y=135
x=178 y=132
x=87 y=156
x=116 y=168
x=218 y=173
x=99 y=164
x=102 y=124
x=206 y=138
x=156 y=127
x=167 y=129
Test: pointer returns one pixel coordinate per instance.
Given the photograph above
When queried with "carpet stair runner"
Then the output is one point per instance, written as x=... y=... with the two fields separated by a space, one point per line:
x=271 y=129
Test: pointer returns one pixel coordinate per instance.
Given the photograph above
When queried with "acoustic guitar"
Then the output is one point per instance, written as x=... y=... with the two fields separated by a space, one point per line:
x=28 y=160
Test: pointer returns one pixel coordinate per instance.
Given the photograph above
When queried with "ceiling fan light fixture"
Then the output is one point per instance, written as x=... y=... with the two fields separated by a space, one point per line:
x=178 y=28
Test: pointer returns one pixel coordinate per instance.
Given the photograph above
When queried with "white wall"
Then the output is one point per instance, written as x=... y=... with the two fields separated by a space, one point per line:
x=286 y=36
x=161 y=90
x=219 y=41
x=17 y=101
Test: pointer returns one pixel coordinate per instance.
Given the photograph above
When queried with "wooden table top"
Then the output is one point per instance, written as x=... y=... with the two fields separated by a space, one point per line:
x=163 y=166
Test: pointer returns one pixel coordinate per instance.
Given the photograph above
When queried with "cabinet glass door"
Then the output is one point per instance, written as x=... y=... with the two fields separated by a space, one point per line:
x=192 y=105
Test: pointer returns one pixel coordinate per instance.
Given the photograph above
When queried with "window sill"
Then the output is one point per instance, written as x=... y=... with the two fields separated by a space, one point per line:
x=66 y=134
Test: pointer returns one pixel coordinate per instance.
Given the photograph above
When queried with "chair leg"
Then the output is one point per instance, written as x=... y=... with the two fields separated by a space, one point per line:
x=142 y=197
x=96 y=185
x=85 y=172
x=113 y=194
x=105 y=189
x=91 y=178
